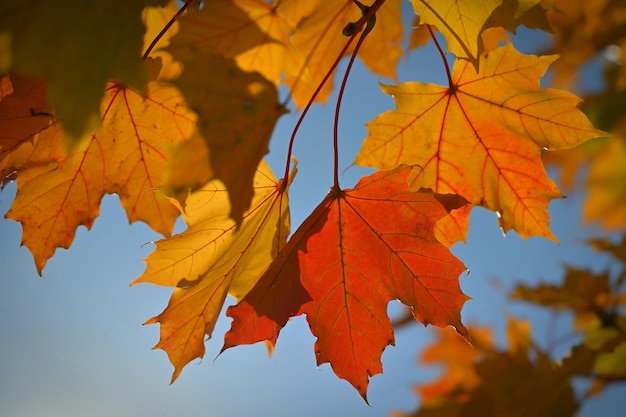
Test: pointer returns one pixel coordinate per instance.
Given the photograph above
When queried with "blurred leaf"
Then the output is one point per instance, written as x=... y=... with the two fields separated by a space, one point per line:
x=80 y=59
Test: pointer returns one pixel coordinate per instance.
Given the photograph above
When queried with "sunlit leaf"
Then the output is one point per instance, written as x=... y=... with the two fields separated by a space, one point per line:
x=462 y=21
x=351 y=262
x=482 y=137
x=212 y=257
x=125 y=156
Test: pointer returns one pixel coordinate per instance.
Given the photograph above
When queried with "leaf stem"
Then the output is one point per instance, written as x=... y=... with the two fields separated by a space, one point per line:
x=166 y=28
x=443 y=56
x=338 y=107
x=357 y=28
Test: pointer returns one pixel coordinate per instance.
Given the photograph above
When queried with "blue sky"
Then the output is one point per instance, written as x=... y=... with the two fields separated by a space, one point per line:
x=72 y=343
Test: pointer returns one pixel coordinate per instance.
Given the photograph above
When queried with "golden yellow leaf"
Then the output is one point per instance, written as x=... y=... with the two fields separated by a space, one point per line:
x=319 y=38
x=482 y=136
x=155 y=19
x=54 y=199
x=125 y=156
x=462 y=21
x=381 y=51
x=278 y=21
x=213 y=257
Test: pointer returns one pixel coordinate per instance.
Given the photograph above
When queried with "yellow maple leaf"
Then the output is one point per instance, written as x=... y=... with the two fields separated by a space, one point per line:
x=462 y=21
x=213 y=257
x=54 y=199
x=482 y=136
x=125 y=156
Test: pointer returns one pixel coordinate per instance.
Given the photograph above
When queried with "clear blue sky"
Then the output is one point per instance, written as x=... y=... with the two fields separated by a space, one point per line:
x=72 y=343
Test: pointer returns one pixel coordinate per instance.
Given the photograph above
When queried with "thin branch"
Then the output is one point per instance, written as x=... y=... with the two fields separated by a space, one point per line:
x=360 y=25
x=169 y=24
x=338 y=106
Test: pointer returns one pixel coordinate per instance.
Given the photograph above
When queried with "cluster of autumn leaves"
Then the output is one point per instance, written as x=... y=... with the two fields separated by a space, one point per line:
x=174 y=112
x=489 y=379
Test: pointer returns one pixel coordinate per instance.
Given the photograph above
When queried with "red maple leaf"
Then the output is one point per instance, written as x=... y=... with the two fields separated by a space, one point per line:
x=358 y=250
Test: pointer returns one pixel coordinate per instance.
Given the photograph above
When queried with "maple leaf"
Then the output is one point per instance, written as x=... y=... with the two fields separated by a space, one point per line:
x=482 y=136
x=508 y=381
x=616 y=249
x=461 y=389
x=254 y=33
x=237 y=112
x=53 y=199
x=589 y=296
x=583 y=29
x=459 y=358
x=606 y=194
x=125 y=156
x=214 y=257
x=79 y=60
x=462 y=22
x=352 y=261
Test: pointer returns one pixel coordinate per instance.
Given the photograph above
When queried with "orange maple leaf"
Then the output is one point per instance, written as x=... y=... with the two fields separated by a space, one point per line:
x=459 y=357
x=213 y=257
x=482 y=136
x=126 y=157
x=358 y=250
